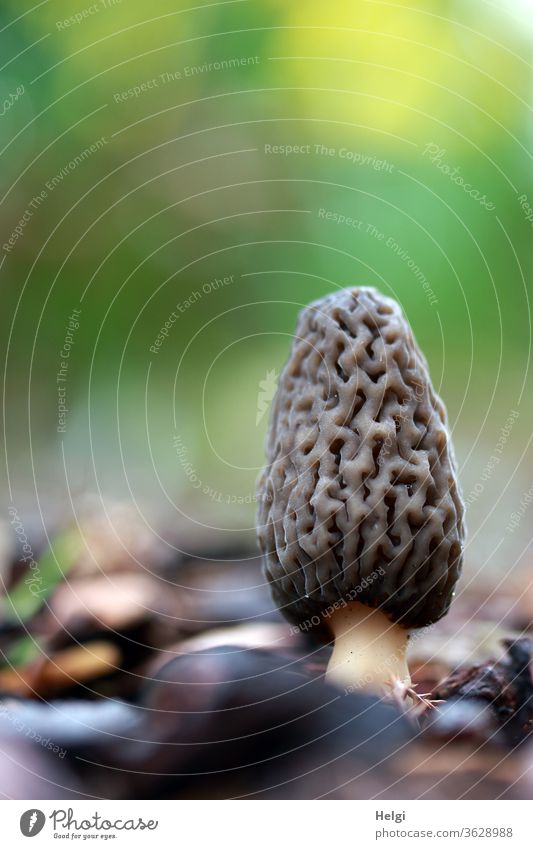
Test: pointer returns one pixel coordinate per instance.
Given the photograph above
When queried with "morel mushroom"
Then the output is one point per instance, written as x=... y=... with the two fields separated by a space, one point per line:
x=360 y=516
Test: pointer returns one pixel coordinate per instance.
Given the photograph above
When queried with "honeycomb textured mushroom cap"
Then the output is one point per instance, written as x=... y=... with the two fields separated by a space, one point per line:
x=359 y=499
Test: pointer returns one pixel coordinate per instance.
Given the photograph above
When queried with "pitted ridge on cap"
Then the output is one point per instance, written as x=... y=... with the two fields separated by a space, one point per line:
x=360 y=492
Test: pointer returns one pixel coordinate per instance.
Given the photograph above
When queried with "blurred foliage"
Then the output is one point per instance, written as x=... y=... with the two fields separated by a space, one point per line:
x=182 y=192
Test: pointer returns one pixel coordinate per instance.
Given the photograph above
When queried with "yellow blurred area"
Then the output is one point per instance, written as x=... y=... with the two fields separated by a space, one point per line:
x=397 y=60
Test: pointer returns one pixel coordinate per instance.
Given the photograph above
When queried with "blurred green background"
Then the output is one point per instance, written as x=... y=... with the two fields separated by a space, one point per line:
x=226 y=163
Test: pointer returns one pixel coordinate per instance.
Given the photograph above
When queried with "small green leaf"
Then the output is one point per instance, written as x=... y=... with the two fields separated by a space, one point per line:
x=23 y=650
x=26 y=598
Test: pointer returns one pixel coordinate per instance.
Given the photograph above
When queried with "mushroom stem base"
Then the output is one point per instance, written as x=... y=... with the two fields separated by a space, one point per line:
x=370 y=650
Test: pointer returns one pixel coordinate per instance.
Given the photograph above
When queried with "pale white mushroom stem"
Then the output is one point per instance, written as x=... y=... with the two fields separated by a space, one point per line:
x=370 y=651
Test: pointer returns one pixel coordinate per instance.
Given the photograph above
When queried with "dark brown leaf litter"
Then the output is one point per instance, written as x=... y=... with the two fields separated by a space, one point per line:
x=215 y=696
x=141 y=616
x=225 y=723
x=492 y=699
x=233 y=722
